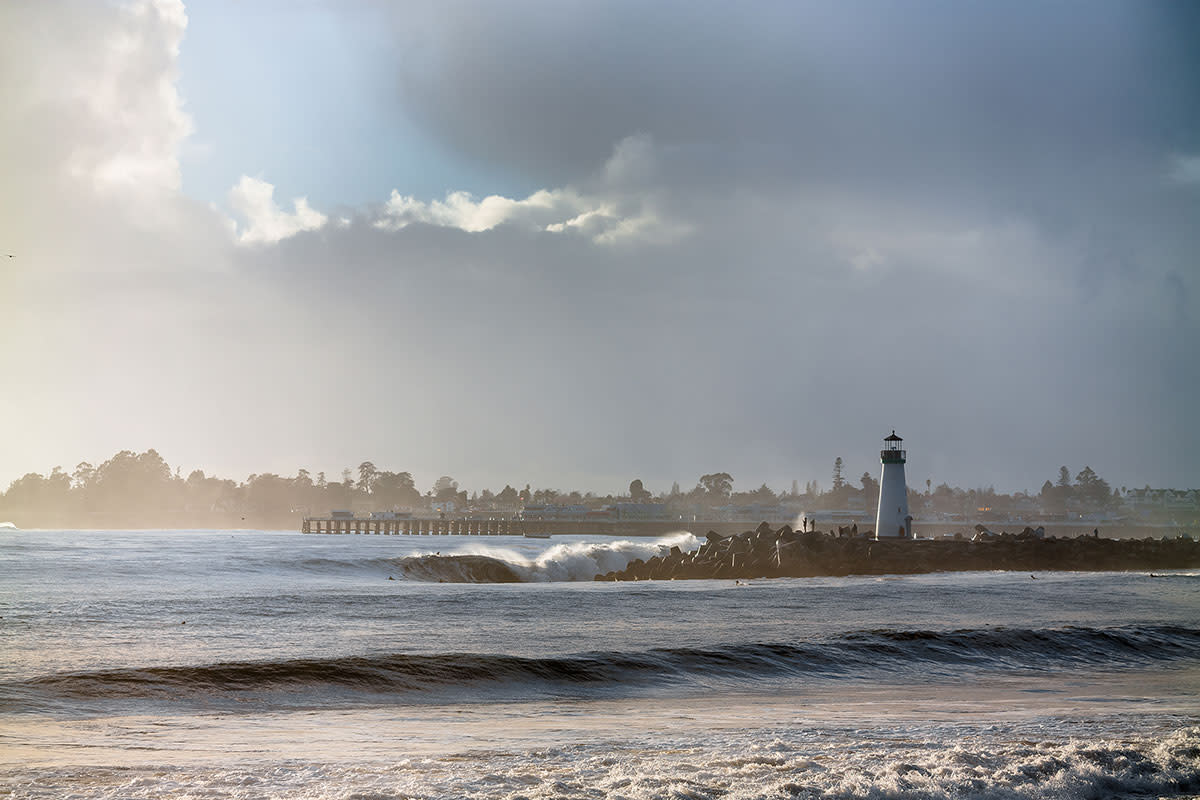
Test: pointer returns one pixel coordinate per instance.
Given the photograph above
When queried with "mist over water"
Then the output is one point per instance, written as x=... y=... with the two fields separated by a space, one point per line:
x=271 y=664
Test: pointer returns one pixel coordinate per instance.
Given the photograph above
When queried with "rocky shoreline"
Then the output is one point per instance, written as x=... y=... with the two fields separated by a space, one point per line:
x=784 y=553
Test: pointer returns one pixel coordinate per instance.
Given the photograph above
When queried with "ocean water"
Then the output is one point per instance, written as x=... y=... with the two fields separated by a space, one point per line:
x=258 y=664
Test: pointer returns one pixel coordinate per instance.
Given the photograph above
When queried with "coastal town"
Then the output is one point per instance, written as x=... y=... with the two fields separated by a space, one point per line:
x=142 y=489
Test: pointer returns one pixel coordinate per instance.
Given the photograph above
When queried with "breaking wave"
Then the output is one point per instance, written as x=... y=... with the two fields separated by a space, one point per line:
x=484 y=676
x=575 y=561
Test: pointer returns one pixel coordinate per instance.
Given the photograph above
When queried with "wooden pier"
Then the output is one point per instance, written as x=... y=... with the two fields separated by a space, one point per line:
x=506 y=526
x=423 y=527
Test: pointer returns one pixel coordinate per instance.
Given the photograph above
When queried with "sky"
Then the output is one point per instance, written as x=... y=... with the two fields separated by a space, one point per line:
x=576 y=243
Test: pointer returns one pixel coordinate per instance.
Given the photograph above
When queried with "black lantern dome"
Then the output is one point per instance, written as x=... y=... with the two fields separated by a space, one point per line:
x=892 y=452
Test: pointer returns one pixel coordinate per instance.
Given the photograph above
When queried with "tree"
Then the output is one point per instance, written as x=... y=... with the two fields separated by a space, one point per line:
x=445 y=488
x=717 y=486
x=1093 y=489
x=870 y=491
x=202 y=493
x=637 y=492
x=83 y=475
x=366 y=476
x=763 y=495
x=267 y=493
x=1064 y=478
x=34 y=492
x=1054 y=496
x=946 y=499
x=838 y=480
x=916 y=501
x=59 y=485
x=131 y=480
x=82 y=481
x=395 y=489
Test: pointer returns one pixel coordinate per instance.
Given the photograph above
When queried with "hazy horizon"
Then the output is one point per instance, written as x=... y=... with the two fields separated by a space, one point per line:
x=577 y=244
x=850 y=475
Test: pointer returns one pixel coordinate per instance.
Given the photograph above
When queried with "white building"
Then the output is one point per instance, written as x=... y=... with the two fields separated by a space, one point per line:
x=893 y=520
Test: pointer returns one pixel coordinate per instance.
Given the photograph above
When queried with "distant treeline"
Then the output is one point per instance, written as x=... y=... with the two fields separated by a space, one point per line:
x=142 y=490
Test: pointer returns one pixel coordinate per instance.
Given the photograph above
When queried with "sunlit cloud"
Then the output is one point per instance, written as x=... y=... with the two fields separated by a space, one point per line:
x=264 y=221
x=618 y=209
x=461 y=210
x=134 y=121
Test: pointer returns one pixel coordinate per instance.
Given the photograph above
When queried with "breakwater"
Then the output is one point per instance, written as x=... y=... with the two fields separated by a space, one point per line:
x=775 y=553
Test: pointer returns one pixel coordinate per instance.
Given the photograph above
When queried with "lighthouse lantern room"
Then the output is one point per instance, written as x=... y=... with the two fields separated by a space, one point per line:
x=893 y=520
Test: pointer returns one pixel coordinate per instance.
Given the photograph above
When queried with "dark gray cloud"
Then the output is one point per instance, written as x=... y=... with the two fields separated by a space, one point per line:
x=1050 y=114
x=728 y=352
x=943 y=92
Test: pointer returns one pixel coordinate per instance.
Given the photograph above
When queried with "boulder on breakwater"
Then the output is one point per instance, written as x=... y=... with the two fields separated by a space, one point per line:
x=784 y=553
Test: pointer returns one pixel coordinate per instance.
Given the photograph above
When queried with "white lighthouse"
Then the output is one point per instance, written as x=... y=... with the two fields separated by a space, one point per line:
x=892 y=520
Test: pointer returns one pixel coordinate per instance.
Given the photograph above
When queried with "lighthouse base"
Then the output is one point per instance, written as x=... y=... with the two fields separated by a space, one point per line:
x=892 y=521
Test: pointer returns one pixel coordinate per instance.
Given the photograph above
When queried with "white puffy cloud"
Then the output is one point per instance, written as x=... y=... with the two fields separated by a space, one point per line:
x=146 y=121
x=592 y=222
x=619 y=207
x=461 y=210
x=264 y=221
x=91 y=112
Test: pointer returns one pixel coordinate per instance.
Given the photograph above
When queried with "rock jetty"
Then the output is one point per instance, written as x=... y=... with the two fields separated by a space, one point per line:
x=784 y=553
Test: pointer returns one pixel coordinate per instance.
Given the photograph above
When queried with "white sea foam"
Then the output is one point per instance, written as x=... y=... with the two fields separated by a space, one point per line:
x=580 y=561
x=804 y=764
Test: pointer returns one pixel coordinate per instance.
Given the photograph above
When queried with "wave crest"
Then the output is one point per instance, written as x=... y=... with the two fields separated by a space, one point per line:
x=851 y=653
x=570 y=561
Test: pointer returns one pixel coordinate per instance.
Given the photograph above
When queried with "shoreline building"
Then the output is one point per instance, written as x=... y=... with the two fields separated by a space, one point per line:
x=892 y=521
